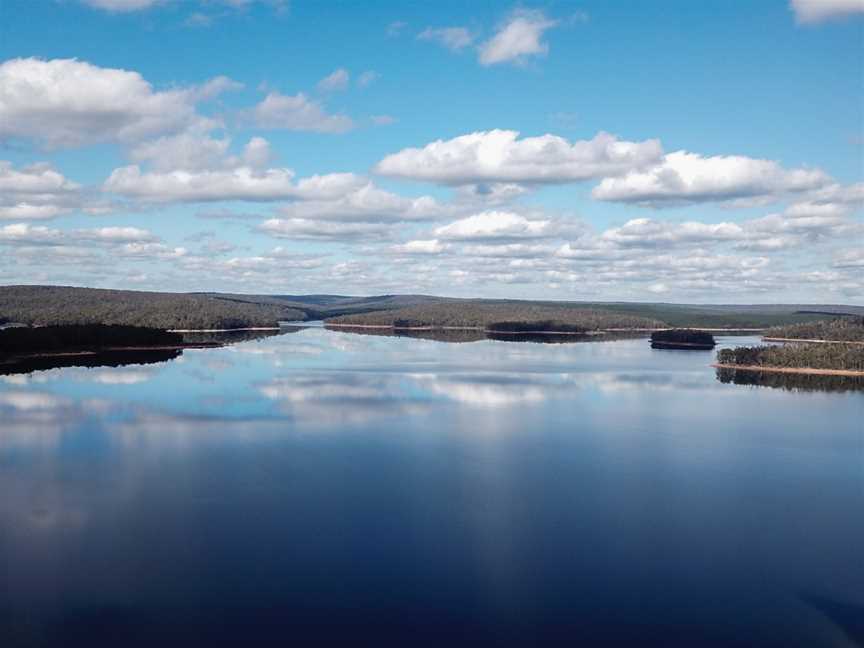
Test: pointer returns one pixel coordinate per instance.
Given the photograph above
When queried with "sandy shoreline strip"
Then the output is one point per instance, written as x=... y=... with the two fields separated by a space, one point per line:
x=801 y=370
x=809 y=341
x=231 y=330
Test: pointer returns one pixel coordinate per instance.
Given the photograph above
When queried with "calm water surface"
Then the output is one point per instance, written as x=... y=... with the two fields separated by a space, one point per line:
x=337 y=488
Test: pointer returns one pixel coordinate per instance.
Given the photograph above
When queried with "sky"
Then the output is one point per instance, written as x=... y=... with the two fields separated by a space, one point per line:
x=600 y=150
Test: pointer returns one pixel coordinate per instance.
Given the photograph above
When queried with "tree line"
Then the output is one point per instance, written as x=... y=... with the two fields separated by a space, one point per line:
x=846 y=357
x=512 y=316
x=60 y=305
x=83 y=337
x=840 y=329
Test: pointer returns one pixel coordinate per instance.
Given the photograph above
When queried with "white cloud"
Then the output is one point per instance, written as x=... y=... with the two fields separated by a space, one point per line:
x=491 y=193
x=685 y=178
x=122 y=6
x=852 y=194
x=337 y=80
x=66 y=102
x=116 y=235
x=850 y=259
x=194 y=151
x=36 y=192
x=24 y=233
x=191 y=150
x=644 y=232
x=129 y=6
x=775 y=232
x=257 y=153
x=453 y=38
x=298 y=113
x=520 y=37
x=241 y=183
x=25 y=211
x=508 y=250
x=304 y=229
x=499 y=156
x=809 y=12
x=366 y=203
x=144 y=250
x=429 y=246
x=36 y=179
x=495 y=225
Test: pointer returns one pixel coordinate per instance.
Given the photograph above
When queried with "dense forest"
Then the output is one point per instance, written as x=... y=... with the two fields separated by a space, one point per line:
x=842 y=329
x=82 y=337
x=42 y=305
x=509 y=317
x=47 y=305
x=844 y=357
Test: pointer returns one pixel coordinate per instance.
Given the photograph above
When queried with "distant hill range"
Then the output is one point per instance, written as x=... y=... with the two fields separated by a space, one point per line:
x=45 y=305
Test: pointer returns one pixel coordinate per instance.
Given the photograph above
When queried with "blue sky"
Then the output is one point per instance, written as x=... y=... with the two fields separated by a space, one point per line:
x=673 y=151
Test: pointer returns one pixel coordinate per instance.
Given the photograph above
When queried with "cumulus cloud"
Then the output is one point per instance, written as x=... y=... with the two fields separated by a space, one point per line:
x=194 y=151
x=850 y=259
x=508 y=250
x=337 y=80
x=808 y=12
x=24 y=233
x=793 y=227
x=453 y=38
x=190 y=150
x=495 y=225
x=366 y=203
x=240 y=183
x=297 y=113
x=644 y=232
x=36 y=179
x=685 y=178
x=500 y=156
x=429 y=246
x=257 y=153
x=66 y=103
x=252 y=266
x=37 y=191
x=518 y=38
x=305 y=229
x=115 y=235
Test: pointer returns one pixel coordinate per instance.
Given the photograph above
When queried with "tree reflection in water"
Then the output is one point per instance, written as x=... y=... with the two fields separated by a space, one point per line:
x=791 y=381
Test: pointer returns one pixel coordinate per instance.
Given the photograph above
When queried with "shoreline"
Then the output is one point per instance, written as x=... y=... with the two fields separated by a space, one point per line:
x=12 y=359
x=798 y=370
x=810 y=341
x=230 y=330
x=500 y=332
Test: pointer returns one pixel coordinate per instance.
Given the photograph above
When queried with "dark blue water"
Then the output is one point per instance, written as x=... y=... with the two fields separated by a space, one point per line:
x=331 y=488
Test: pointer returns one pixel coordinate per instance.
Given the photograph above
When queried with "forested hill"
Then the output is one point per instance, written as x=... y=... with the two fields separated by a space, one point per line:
x=53 y=305
x=509 y=317
x=42 y=305
x=841 y=329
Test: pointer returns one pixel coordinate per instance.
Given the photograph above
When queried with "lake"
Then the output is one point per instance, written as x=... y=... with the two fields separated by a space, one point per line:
x=333 y=488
